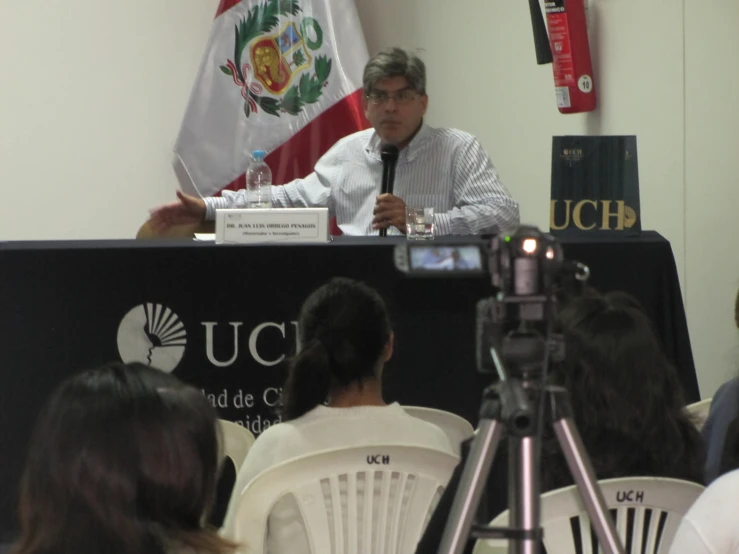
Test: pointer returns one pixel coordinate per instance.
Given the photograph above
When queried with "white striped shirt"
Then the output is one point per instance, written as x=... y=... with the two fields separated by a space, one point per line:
x=445 y=169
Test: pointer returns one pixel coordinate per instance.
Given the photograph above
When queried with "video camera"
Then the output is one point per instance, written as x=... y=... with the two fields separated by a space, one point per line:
x=527 y=270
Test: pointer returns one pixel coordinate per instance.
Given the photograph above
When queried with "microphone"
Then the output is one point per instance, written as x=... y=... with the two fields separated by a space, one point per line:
x=389 y=155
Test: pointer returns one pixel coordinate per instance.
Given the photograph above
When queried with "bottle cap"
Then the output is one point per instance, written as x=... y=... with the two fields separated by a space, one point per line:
x=258 y=154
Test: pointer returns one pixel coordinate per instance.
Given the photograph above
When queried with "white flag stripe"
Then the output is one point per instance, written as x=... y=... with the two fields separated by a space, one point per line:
x=216 y=137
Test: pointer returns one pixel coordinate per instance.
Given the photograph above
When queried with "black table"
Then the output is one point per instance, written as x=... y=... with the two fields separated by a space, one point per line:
x=228 y=314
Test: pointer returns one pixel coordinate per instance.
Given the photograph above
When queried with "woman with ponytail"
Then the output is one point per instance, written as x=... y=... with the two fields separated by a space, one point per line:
x=333 y=396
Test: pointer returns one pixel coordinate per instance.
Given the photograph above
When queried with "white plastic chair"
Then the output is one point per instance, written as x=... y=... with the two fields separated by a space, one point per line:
x=457 y=428
x=699 y=411
x=237 y=440
x=330 y=487
x=647 y=511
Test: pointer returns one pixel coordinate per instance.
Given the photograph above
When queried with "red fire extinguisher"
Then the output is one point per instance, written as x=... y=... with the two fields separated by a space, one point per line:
x=573 y=69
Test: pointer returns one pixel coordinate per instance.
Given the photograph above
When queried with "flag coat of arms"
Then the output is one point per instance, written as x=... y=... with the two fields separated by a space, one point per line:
x=283 y=76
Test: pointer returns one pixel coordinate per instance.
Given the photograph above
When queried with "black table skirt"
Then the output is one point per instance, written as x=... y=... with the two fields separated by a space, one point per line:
x=61 y=305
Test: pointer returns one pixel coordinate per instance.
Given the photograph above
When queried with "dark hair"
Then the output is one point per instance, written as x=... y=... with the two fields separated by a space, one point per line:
x=395 y=62
x=123 y=460
x=627 y=401
x=343 y=328
x=729 y=460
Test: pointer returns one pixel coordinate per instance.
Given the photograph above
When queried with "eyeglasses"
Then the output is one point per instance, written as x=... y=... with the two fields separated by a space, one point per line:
x=401 y=97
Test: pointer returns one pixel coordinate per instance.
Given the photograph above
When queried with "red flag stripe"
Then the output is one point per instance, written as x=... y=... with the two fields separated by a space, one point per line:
x=226 y=5
x=295 y=157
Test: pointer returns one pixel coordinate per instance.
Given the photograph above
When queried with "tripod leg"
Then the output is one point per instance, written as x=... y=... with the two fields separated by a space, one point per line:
x=467 y=498
x=582 y=472
x=523 y=492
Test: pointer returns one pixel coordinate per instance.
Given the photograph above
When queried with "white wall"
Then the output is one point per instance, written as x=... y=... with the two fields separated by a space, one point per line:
x=92 y=94
x=712 y=192
x=91 y=98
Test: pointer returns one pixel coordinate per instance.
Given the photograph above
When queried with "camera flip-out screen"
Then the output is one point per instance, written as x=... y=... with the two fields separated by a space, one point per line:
x=441 y=259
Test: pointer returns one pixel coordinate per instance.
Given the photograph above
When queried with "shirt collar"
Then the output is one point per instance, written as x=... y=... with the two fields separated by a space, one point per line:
x=409 y=152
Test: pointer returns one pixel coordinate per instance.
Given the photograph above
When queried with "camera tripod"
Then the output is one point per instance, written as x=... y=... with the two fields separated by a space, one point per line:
x=520 y=404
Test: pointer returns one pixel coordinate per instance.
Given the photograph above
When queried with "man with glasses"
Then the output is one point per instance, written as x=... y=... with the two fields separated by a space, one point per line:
x=446 y=169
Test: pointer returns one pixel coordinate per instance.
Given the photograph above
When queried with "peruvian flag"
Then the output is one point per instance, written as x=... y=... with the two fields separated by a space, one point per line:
x=283 y=76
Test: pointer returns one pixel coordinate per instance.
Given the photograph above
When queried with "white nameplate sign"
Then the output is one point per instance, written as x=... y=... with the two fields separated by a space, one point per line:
x=239 y=226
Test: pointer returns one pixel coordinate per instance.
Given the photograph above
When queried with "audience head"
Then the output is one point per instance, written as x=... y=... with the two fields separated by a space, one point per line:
x=627 y=400
x=345 y=338
x=729 y=460
x=123 y=459
x=394 y=85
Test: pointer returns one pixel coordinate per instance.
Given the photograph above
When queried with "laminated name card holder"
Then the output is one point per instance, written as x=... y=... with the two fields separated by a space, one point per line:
x=244 y=226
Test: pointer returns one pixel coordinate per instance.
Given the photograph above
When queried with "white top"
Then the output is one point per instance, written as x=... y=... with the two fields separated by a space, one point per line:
x=445 y=169
x=326 y=428
x=712 y=523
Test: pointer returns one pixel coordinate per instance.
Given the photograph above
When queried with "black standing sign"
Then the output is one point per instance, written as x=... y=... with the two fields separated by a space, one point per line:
x=595 y=186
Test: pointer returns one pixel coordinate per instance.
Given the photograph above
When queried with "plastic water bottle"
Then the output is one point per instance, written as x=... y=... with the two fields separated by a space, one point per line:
x=258 y=182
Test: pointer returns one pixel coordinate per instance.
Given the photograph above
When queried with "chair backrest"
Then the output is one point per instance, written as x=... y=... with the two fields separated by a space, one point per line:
x=457 y=428
x=368 y=499
x=699 y=411
x=647 y=512
x=237 y=441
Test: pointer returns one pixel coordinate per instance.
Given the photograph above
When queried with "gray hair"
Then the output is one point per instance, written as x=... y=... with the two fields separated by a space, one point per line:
x=395 y=62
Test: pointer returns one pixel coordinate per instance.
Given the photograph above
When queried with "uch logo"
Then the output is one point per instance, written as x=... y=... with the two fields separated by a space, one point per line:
x=153 y=335
x=378 y=459
x=630 y=496
x=591 y=214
